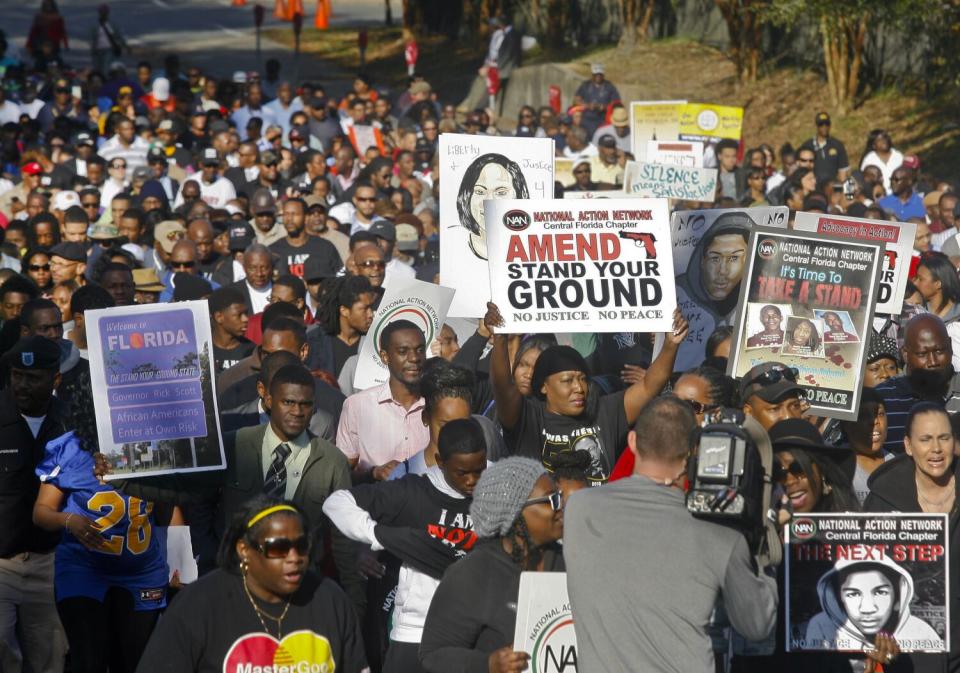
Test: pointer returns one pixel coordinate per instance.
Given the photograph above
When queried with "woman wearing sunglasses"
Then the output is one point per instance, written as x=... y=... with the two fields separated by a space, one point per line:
x=517 y=513
x=261 y=608
x=36 y=263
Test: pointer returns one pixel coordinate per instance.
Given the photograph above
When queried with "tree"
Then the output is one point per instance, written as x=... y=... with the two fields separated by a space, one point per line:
x=744 y=20
x=637 y=15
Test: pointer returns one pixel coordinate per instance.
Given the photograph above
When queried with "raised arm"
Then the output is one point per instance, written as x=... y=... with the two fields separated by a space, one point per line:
x=505 y=391
x=639 y=394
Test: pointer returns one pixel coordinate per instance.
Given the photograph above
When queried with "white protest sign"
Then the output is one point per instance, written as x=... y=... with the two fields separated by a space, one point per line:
x=180 y=558
x=476 y=169
x=670 y=182
x=896 y=236
x=545 y=627
x=604 y=266
x=654 y=120
x=675 y=153
x=151 y=373
x=423 y=304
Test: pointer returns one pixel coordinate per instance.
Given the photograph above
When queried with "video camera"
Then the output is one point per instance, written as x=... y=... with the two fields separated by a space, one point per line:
x=730 y=477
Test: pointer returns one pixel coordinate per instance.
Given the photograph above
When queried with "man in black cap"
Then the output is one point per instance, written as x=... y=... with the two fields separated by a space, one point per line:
x=297 y=246
x=609 y=163
x=264 y=209
x=315 y=272
x=396 y=272
x=68 y=261
x=215 y=191
x=30 y=416
x=831 y=161
x=770 y=393
x=229 y=268
x=268 y=177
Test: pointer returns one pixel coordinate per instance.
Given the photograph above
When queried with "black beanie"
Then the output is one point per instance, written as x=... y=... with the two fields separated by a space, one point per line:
x=554 y=360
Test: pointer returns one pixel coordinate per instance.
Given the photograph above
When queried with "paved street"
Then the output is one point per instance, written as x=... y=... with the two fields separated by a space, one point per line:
x=209 y=33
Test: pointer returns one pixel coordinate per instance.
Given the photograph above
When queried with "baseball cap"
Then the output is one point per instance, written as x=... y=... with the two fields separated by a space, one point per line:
x=268 y=157
x=407 y=237
x=822 y=118
x=315 y=201
x=218 y=126
x=383 y=229
x=424 y=145
x=31 y=168
x=83 y=138
x=797 y=433
x=161 y=89
x=770 y=381
x=165 y=125
x=142 y=173
x=35 y=353
x=316 y=268
x=210 y=157
x=619 y=117
x=146 y=280
x=103 y=232
x=167 y=233
x=239 y=236
x=298 y=133
x=69 y=250
x=263 y=202
x=597 y=69
x=64 y=199
x=607 y=141
x=420 y=87
x=156 y=155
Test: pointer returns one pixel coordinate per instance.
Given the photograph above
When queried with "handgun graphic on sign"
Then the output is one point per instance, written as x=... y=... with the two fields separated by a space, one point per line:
x=891 y=258
x=646 y=240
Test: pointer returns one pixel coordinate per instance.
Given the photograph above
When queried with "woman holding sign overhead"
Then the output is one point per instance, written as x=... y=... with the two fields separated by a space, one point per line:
x=560 y=415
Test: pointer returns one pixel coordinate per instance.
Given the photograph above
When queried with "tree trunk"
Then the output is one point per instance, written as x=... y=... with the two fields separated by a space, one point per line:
x=628 y=11
x=556 y=23
x=844 y=40
x=745 y=31
x=412 y=19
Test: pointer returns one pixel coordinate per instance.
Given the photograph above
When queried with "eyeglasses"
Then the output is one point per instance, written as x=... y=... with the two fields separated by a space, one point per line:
x=183 y=265
x=366 y=199
x=555 y=499
x=780 y=472
x=90 y=204
x=771 y=376
x=372 y=264
x=279 y=547
x=38 y=267
x=118 y=165
x=700 y=408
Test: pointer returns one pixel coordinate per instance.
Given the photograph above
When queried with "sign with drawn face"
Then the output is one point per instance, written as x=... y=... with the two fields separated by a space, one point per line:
x=475 y=170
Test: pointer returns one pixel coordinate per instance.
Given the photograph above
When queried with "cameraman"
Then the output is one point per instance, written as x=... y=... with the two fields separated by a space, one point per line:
x=679 y=565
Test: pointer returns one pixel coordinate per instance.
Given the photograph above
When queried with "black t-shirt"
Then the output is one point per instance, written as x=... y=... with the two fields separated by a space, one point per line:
x=293 y=258
x=224 y=358
x=341 y=352
x=601 y=429
x=211 y=627
x=829 y=158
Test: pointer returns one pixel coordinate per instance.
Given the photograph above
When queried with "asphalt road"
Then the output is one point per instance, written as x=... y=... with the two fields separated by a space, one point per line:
x=208 y=33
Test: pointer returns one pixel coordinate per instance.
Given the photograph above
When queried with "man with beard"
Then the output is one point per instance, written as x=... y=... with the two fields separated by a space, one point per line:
x=772 y=334
x=930 y=377
x=835 y=332
x=707 y=293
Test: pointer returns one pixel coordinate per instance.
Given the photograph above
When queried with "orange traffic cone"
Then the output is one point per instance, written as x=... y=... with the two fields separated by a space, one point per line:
x=280 y=10
x=238 y=3
x=322 y=21
x=294 y=7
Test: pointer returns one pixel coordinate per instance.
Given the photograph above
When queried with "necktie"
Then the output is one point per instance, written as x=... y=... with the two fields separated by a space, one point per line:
x=275 y=483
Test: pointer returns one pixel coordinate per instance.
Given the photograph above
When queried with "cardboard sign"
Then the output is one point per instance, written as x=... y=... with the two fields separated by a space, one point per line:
x=477 y=169
x=896 y=237
x=670 y=182
x=709 y=123
x=850 y=576
x=585 y=267
x=709 y=255
x=423 y=304
x=151 y=371
x=653 y=120
x=815 y=298
x=675 y=153
x=545 y=627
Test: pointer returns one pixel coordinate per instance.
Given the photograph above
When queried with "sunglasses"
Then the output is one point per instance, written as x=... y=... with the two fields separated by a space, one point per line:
x=38 y=267
x=183 y=265
x=780 y=472
x=699 y=408
x=775 y=375
x=555 y=499
x=373 y=264
x=279 y=547
x=118 y=165
x=91 y=204
x=366 y=199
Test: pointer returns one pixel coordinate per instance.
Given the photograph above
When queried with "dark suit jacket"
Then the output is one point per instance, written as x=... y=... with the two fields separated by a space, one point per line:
x=242 y=286
x=508 y=58
x=323 y=423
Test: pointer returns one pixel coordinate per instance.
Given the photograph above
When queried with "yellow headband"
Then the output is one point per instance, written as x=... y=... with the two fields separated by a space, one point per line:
x=268 y=511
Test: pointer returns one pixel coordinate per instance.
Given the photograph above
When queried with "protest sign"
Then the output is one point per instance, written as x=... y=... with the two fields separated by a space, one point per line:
x=423 y=304
x=670 y=182
x=653 y=120
x=674 y=153
x=709 y=123
x=872 y=573
x=563 y=171
x=586 y=267
x=151 y=372
x=601 y=194
x=544 y=627
x=829 y=289
x=709 y=255
x=897 y=237
x=477 y=169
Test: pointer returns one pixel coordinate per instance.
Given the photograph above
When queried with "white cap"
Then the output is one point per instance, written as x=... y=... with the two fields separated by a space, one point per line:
x=233 y=209
x=239 y=77
x=596 y=69
x=134 y=250
x=161 y=89
x=64 y=199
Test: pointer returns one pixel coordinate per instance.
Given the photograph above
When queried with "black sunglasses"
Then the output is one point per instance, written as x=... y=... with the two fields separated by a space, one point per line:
x=279 y=547
x=38 y=267
x=780 y=472
x=699 y=408
x=775 y=375
x=555 y=499
x=183 y=265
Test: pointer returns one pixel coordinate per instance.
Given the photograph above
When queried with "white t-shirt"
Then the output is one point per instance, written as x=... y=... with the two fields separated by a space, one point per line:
x=259 y=298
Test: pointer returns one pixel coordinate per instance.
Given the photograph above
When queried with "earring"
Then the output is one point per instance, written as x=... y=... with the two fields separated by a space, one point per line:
x=244 y=565
x=827 y=488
